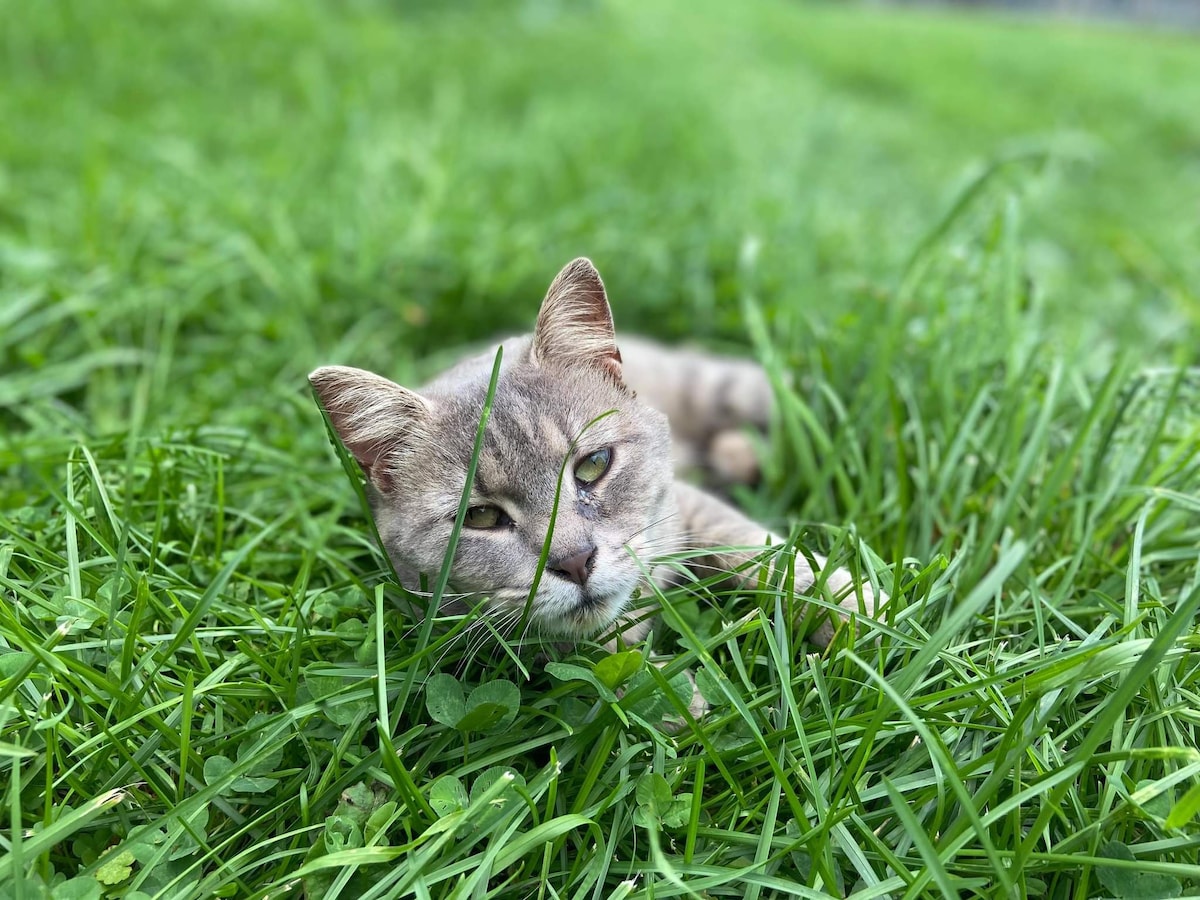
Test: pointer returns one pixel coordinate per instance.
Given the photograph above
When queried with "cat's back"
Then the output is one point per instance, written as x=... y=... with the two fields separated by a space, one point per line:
x=701 y=392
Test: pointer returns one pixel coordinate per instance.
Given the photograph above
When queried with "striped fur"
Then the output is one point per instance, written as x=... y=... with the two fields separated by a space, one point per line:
x=566 y=392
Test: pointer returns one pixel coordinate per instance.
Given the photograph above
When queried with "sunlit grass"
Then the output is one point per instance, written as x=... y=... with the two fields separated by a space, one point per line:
x=963 y=249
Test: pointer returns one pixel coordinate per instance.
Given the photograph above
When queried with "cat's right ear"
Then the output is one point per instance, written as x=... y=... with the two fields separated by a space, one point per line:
x=375 y=418
x=574 y=325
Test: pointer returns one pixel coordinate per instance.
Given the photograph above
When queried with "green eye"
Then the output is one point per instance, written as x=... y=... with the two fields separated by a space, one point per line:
x=486 y=517
x=590 y=470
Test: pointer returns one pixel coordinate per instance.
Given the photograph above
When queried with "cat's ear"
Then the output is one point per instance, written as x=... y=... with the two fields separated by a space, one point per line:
x=575 y=326
x=375 y=418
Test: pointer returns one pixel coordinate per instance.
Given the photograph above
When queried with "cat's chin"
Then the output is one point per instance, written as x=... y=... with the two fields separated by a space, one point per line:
x=585 y=615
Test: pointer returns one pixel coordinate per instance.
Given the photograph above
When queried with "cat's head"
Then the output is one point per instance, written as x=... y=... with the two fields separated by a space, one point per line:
x=563 y=424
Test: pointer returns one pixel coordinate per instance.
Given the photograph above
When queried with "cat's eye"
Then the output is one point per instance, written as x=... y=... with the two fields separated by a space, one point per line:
x=593 y=466
x=486 y=517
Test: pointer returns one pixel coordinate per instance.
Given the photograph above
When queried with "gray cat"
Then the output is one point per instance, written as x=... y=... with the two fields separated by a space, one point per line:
x=567 y=397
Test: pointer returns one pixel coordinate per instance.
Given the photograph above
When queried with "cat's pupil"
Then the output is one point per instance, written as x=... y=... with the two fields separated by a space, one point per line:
x=486 y=517
x=593 y=466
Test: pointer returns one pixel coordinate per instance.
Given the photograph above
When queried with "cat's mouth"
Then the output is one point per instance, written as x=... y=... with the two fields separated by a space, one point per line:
x=590 y=602
x=579 y=611
x=589 y=612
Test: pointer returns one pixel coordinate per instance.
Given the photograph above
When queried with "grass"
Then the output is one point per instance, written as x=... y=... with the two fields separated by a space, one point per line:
x=970 y=244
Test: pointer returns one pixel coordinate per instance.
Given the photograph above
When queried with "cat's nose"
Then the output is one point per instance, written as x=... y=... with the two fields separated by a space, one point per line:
x=576 y=566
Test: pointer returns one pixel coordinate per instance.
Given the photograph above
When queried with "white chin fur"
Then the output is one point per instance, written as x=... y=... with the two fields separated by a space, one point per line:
x=559 y=605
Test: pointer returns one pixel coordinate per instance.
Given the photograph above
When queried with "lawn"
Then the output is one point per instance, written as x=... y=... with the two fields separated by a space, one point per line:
x=970 y=242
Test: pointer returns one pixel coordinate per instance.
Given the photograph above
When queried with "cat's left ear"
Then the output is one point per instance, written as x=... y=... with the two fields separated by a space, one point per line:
x=575 y=326
x=378 y=421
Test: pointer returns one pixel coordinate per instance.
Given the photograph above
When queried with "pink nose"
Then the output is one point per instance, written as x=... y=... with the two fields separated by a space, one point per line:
x=574 y=567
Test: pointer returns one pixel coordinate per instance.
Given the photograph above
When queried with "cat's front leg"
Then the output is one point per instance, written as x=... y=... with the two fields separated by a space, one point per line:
x=731 y=538
x=731 y=542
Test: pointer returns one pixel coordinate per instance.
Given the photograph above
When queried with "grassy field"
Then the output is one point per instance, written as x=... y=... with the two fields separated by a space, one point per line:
x=971 y=241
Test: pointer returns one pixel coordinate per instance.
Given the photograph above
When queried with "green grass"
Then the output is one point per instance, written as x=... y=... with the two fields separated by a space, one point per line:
x=971 y=244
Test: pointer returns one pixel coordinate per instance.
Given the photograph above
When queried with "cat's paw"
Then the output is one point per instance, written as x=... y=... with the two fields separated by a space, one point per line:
x=733 y=458
x=841 y=584
x=697 y=707
x=674 y=722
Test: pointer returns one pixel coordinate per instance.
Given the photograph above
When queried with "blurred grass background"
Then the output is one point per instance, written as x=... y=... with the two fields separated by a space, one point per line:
x=259 y=187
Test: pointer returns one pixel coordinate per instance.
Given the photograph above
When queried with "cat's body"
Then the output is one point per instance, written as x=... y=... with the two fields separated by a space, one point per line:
x=714 y=403
x=569 y=421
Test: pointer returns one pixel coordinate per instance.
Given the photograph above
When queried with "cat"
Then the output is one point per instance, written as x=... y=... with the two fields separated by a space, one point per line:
x=569 y=405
